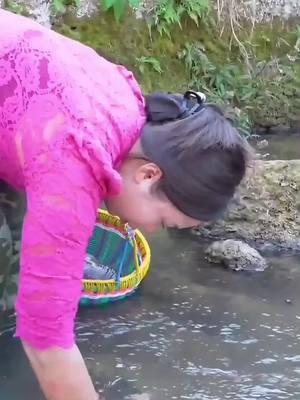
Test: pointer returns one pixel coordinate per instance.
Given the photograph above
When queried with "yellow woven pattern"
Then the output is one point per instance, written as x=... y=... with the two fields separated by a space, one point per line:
x=129 y=281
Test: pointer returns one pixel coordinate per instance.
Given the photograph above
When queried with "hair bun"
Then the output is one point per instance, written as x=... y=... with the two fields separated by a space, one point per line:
x=163 y=107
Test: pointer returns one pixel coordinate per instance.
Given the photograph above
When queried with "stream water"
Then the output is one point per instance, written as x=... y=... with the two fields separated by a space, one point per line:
x=280 y=146
x=193 y=331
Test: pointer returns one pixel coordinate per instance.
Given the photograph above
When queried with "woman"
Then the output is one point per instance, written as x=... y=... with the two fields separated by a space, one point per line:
x=75 y=130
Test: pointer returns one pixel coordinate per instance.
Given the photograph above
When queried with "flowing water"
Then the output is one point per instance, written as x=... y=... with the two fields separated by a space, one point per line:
x=194 y=331
x=280 y=146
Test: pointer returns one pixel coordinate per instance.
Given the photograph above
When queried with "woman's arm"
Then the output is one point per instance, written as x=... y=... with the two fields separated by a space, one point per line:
x=61 y=373
x=62 y=199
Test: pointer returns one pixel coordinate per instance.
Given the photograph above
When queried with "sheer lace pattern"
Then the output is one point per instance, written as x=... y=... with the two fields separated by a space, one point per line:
x=67 y=118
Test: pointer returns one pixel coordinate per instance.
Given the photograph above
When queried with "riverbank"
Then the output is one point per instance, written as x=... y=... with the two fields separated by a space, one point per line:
x=250 y=65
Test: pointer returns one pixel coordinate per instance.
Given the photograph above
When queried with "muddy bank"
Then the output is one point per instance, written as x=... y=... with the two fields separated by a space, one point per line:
x=266 y=210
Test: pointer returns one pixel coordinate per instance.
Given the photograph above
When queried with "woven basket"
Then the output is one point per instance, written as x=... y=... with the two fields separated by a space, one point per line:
x=123 y=249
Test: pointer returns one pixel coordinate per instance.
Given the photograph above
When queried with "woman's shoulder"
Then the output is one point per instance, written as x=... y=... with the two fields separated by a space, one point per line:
x=60 y=62
x=102 y=100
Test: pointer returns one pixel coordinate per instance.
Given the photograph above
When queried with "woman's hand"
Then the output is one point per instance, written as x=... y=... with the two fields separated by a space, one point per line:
x=61 y=373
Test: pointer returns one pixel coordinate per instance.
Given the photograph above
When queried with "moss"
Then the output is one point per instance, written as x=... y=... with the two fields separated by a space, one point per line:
x=128 y=41
x=270 y=40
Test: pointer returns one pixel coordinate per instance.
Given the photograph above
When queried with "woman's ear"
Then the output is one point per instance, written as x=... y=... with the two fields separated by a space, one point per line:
x=148 y=171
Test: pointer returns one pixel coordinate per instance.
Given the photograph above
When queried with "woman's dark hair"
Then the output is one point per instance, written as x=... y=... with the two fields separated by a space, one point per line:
x=201 y=154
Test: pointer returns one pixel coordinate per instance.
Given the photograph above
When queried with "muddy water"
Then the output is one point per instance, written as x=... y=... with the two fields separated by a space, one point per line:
x=280 y=146
x=194 y=331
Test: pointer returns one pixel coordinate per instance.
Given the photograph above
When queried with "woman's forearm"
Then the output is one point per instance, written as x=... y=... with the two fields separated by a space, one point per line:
x=61 y=373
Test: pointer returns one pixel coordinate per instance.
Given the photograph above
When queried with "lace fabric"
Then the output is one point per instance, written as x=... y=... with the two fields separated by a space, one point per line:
x=67 y=119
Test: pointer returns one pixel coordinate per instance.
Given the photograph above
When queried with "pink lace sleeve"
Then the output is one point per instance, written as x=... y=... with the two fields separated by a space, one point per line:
x=67 y=120
x=62 y=201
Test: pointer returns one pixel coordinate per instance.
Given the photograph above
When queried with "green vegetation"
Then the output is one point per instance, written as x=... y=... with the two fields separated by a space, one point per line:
x=119 y=6
x=262 y=95
x=151 y=62
x=253 y=70
x=166 y=13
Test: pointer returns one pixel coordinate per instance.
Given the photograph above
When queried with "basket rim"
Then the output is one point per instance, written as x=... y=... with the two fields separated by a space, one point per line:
x=142 y=268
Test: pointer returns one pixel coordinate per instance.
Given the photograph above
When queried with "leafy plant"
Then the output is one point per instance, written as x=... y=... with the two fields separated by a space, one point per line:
x=219 y=81
x=297 y=34
x=196 y=9
x=119 y=6
x=14 y=7
x=60 y=5
x=263 y=97
x=170 y=12
x=151 y=62
x=165 y=14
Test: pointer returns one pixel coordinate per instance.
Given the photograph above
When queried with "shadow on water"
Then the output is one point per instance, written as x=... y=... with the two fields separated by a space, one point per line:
x=194 y=331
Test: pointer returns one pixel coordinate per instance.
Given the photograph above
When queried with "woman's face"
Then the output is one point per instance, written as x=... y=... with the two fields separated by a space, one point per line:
x=140 y=205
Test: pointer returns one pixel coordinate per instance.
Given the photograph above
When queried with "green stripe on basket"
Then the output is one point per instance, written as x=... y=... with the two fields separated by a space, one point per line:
x=95 y=241
x=129 y=261
x=117 y=255
x=107 y=246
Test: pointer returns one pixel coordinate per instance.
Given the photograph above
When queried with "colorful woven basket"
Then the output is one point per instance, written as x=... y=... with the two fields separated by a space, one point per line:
x=123 y=249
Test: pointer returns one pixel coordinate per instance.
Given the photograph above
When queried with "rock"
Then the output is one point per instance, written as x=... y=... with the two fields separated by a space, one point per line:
x=265 y=210
x=145 y=8
x=237 y=255
x=262 y=144
x=87 y=8
x=266 y=10
x=39 y=10
x=121 y=388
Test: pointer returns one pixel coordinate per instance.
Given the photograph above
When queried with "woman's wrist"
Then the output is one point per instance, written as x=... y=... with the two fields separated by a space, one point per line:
x=61 y=373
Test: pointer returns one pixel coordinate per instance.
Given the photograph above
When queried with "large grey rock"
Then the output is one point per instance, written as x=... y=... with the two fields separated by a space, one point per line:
x=40 y=10
x=87 y=8
x=268 y=9
x=266 y=210
x=236 y=255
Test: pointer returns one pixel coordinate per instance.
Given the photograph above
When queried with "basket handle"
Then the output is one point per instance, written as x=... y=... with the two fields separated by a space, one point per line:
x=118 y=277
x=136 y=260
x=131 y=240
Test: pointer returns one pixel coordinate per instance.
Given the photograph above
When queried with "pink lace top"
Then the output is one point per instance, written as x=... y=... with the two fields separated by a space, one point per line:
x=67 y=119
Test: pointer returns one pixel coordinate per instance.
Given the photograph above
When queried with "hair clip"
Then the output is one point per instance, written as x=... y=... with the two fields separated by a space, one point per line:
x=199 y=96
x=200 y=99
